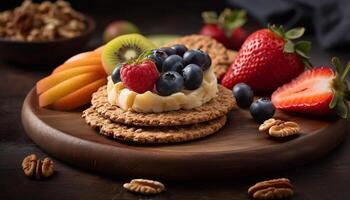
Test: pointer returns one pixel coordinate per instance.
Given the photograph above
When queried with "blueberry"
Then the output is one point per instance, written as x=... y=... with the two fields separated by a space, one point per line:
x=169 y=51
x=195 y=56
x=157 y=60
x=180 y=49
x=160 y=54
x=169 y=83
x=173 y=63
x=193 y=76
x=262 y=109
x=244 y=95
x=116 y=73
x=207 y=62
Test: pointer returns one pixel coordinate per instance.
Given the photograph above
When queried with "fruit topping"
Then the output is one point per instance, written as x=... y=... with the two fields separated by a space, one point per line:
x=173 y=63
x=165 y=59
x=139 y=75
x=123 y=49
x=262 y=109
x=180 y=49
x=118 y=28
x=198 y=57
x=318 y=91
x=225 y=28
x=193 y=76
x=157 y=60
x=243 y=94
x=169 y=51
x=169 y=82
x=268 y=58
x=116 y=73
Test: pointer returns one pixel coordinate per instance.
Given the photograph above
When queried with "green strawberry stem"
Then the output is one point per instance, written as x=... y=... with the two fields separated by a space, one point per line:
x=140 y=59
x=341 y=93
x=228 y=19
x=301 y=48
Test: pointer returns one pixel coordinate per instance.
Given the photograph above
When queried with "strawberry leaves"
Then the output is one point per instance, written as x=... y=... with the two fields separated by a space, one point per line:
x=341 y=93
x=301 y=48
x=228 y=19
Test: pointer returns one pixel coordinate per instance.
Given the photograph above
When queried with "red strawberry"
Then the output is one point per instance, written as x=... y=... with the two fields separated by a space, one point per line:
x=140 y=75
x=226 y=28
x=268 y=58
x=317 y=91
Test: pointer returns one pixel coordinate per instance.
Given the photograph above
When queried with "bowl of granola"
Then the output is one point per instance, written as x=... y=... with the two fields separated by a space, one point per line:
x=40 y=34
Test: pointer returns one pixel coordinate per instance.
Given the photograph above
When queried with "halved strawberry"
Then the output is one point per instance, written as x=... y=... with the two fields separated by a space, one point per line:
x=318 y=91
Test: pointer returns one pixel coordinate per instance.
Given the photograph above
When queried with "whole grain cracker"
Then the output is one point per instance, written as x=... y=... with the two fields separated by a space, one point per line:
x=221 y=57
x=136 y=134
x=217 y=107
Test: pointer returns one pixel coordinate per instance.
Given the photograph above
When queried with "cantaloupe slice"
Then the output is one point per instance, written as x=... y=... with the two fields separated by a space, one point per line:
x=89 y=54
x=66 y=87
x=78 y=63
x=54 y=79
x=79 y=97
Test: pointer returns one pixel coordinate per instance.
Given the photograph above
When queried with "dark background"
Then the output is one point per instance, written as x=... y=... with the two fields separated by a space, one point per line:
x=326 y=178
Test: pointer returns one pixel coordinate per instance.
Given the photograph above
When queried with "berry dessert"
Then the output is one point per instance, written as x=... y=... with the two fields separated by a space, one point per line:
x=163 y=95
x=227 y=28
x=268 y=58
x=162 y=80
x=319 y=91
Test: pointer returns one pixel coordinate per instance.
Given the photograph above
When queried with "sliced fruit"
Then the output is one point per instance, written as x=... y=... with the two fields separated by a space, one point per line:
x=56 y=78
x=79 y=97
x=78 y=63
x=317 y=91
x=124 y=48
x=66 y=87
x=89 y=54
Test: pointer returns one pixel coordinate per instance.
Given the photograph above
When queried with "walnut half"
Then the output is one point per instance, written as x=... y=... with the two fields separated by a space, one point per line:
x=35 y=168
x=144 y=186
x=272 y=189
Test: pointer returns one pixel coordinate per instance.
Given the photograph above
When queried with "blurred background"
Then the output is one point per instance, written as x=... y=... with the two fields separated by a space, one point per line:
x=327 y=21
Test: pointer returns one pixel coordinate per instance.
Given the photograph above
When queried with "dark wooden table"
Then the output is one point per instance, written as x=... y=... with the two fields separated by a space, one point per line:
x=325 y=178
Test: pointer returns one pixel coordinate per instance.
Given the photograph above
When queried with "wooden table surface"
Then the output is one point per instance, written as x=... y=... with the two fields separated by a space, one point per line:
x=326 y=178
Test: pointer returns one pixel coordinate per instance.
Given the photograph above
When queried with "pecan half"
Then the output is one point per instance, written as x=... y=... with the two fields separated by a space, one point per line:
x=29 y=165
x=144 y=186
x=269 y=123
x=47 y=167
x=272 y=189
x=284 y=129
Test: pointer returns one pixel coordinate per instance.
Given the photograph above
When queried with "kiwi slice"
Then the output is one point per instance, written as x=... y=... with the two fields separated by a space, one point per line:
x=124 y=48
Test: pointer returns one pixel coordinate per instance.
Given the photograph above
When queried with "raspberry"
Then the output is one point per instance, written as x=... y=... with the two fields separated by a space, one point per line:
x=140 y=77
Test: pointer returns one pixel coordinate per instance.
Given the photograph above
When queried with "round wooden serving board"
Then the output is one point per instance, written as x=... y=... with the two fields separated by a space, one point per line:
x=238 y=149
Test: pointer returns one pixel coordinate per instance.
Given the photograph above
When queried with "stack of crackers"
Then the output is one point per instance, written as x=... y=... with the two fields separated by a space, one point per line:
x=171 y=126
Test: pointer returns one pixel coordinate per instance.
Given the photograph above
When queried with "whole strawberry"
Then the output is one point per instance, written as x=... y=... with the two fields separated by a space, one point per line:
x=227 y=28
x=268 y=58
x=318 y=91
x=140 y=75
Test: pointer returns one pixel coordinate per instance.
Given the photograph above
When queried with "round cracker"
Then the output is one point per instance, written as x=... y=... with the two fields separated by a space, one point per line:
x=221 y=57
x=217 y=107
x=149 y=134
